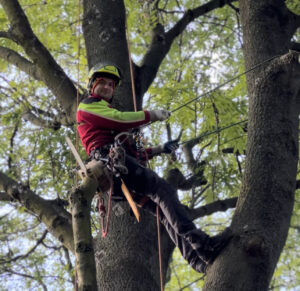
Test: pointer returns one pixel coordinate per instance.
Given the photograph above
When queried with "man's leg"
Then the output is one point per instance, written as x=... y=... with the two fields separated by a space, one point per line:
x=145 y=181
x=187 y=252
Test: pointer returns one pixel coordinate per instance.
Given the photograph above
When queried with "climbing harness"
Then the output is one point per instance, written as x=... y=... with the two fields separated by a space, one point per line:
x=117 y=160
x=116 y=167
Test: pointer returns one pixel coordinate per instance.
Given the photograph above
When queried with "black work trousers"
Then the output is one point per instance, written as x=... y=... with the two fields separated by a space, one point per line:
x=173 y=214
x=184 y=247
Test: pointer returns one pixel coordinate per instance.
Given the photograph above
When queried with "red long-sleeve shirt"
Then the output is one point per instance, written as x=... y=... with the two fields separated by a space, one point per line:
x=99 y=123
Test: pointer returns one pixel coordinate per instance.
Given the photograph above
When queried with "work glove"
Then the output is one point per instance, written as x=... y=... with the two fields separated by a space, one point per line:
x=170 y=146
x=160 y=115
x=166 y=148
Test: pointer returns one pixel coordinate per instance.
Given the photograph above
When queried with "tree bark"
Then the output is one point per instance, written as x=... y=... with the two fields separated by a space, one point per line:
x=80 y=200
x=262 y=217
x=127 y=259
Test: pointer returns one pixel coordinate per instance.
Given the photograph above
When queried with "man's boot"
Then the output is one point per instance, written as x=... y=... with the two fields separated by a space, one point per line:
x=208 y=248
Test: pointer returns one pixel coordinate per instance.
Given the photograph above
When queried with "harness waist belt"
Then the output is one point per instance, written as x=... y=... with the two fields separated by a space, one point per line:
x=101 y=152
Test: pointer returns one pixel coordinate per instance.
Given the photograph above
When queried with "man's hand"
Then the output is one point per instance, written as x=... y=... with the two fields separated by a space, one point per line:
x=166 y=148
x=170 y=146
x=160 y=115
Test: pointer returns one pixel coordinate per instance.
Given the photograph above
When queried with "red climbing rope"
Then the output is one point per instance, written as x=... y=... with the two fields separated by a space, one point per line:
x=102 y=209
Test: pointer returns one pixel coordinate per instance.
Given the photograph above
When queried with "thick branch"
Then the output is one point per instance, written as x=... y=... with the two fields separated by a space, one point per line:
x=80 y=200
x=177 y=179
x=162 y=41
x=187 y=150
x=51 y=73
x=57 y=220
x=220 y=205
x=232 y=151
x=193 y=164
x=22 y=63
x=43 y=118
x=6 y=34
x=29 y=116
x=56 y=119
x=190 y=15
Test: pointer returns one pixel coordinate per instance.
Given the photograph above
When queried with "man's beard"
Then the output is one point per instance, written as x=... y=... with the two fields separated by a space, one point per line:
x=106 y=94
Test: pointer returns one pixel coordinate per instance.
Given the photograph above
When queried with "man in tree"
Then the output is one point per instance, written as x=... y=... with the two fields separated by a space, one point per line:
x=98 y=125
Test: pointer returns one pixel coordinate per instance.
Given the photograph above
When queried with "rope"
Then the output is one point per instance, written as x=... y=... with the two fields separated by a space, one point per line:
x=159 y=249
x=131 y=69
x=158 y=234
x=102 y=210
x=77 y=103
x=76 y=279
x=212 y=132
x=225 y=83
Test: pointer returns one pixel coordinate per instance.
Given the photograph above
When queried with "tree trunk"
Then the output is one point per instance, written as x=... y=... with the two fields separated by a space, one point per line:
x=262 y=217
x=127 y=259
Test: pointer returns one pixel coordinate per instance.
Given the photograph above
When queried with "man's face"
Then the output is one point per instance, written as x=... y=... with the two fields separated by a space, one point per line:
x=104 y=87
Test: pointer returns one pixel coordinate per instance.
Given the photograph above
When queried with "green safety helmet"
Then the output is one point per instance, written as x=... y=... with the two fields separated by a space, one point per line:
x=104 y=70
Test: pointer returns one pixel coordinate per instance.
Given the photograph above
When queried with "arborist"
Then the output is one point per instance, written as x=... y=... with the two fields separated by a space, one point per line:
x=98 y=125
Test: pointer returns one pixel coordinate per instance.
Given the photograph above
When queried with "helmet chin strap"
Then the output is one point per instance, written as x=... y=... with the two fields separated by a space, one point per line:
x=94 y=86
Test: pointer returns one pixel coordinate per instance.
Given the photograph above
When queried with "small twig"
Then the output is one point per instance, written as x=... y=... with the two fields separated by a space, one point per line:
x=39 y=241
x=190 y=284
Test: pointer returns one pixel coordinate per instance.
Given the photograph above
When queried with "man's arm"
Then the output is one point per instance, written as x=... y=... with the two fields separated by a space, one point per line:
x=100 y=114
